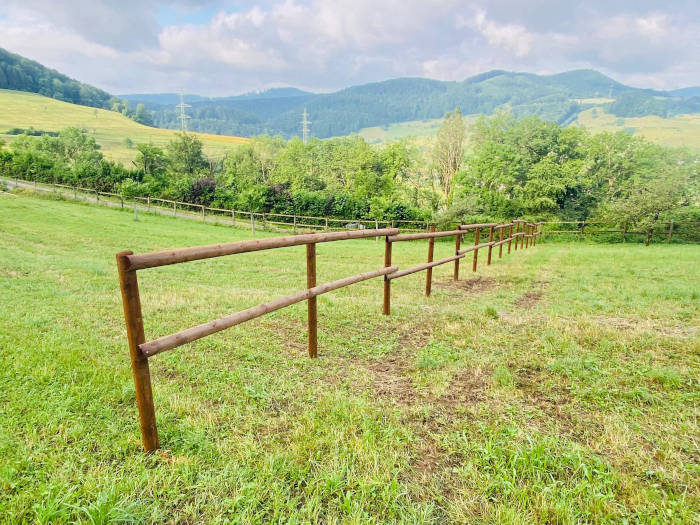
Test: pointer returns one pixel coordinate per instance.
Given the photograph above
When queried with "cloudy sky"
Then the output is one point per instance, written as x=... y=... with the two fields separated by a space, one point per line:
x=229 y=47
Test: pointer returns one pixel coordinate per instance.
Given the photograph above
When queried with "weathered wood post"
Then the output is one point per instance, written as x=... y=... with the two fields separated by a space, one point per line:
x=376 y=227
x=458 y=241
x=252 y=223
x=476 y=252
x=522 y=237
x=139 y=362
x=203 y=219
x=386 y=307
x=429 y=271
x=311 y=301
x=174 y=209
x=670 y=232
x=517 y=239
x=295 y=224
x=500 y=239
x=510 y=236
x=488 y=259
x=527 y=235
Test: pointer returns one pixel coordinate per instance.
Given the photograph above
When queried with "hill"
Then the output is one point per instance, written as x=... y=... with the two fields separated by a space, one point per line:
x=21 y=74
x=110 y=129
x=560 y=97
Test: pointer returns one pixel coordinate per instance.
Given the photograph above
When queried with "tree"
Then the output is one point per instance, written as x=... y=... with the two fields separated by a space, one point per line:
x=448 y=151
x=642 y=201
x=185 y=154
x=143 y=116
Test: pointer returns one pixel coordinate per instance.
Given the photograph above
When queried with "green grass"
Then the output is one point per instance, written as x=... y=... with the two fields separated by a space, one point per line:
x=23 y=110
x=678 y=131
x=561 y=387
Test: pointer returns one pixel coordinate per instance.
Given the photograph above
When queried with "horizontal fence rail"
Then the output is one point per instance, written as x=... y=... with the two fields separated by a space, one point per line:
x=141 y=350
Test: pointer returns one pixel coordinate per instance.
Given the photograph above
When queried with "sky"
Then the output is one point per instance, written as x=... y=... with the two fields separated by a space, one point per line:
x=217 y=48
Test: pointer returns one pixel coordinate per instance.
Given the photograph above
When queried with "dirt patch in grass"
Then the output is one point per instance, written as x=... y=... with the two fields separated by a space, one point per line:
x=416 y=335
x=390 y=379
x=532 y=296
x=476 y=285
x=638 y=325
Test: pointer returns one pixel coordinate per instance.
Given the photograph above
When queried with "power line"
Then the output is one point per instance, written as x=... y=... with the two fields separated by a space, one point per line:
x=182 y=117
x=305 y=126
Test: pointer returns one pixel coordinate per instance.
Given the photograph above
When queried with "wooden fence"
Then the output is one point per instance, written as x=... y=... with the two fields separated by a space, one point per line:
x=260 y=220
x=662 y=230
x=129 y=264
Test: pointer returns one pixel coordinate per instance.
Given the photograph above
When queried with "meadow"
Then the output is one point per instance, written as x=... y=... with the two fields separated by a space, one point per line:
x=558 y=385
x=678 y=131
x=110 y=129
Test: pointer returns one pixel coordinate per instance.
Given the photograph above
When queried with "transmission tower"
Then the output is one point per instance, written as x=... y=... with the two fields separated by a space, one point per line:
x=305 y=126
x=182 y=117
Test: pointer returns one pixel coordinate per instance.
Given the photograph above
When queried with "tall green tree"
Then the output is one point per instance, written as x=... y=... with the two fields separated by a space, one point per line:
x=448 y=151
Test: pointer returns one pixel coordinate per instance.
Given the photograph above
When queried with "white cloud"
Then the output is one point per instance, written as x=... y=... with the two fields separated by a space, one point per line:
x=129 y=46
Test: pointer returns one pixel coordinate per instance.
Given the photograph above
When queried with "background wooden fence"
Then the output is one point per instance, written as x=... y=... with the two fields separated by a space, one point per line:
x=519 y=232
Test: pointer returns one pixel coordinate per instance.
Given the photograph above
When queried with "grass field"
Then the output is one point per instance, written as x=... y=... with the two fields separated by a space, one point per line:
x=559 y=386
x=682 y=130
x=23 y=110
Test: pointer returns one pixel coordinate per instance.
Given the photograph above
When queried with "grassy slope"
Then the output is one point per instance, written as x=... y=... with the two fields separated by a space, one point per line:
x=682 y=130
x=22 y=110
x=567 y=393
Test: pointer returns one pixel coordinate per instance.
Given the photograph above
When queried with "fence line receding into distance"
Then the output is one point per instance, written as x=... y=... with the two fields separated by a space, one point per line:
x=141 y=350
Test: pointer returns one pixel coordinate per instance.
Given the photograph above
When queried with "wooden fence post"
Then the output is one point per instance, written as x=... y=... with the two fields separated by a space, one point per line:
x=311 y=301
x=233 y=217
x=295 y=224
x=386 y=307
x=203 y=219
x=522 y=237
x=583 y=225
x=139 y=362
x=488 y=259
x=252 y=223
x=670 y=232
x=376 y=227
x=527 y=236
x=510 y=236
x=500 y=239
x=458 y=241
x=148 y=201
x=174 y=209
x=429 y=271
x=476 y=252
x=326 y=223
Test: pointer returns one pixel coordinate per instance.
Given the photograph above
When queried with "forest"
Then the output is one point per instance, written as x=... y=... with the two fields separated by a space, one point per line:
x=506 y=167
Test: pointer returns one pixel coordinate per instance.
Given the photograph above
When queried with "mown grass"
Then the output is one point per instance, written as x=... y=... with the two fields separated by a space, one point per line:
x=678 y=131
x=110 y=129
x=561 y=386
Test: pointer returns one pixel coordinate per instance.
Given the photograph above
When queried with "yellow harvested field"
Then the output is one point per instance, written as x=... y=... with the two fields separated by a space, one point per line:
x=682 y=130
x=110 y=129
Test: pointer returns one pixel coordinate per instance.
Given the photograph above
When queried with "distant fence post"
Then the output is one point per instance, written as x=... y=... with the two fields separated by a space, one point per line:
x=522 y=237
x=148 y=203
x=386 y=306
x=500 y=240
x=429 y=271
x=326 y=218
x=174 y=209
x=458 y=242
x=312 y=312
x=510 y=236
x=139 y=362
x=670 y=232
x=476 y=252
x=488 y=259
x=252 y=223
x=583 y=226
x=376 y=227
x=203 y=219
x=295 y=224
x=233 y=218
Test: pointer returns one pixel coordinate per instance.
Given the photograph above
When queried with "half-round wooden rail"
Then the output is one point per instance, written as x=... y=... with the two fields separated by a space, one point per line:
x=197 y=332
x=421 y=267
x=426 y=235
x=154 y=259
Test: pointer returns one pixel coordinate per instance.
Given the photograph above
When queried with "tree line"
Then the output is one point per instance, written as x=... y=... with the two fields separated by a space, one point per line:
x=503 y=167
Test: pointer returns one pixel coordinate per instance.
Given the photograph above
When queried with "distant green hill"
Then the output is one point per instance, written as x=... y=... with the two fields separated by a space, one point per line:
x=560 y=97
x=21 y=74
